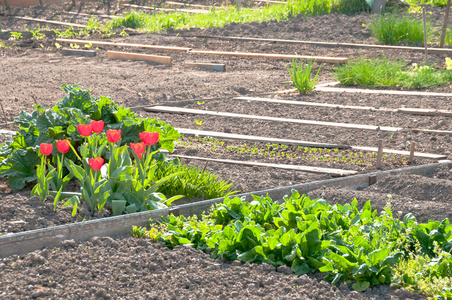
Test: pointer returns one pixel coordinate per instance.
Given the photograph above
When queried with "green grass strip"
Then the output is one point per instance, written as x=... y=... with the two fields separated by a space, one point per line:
x=382 y=72
x=220 y=17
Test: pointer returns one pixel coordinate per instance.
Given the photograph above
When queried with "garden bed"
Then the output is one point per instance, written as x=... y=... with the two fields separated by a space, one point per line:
x=33 y=71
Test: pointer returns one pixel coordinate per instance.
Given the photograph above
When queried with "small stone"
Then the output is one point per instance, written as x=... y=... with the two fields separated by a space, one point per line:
x=284 y=270
x=417 y=206
x=68 y=244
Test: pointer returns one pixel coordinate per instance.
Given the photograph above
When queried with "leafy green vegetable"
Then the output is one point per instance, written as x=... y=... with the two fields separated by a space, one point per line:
x=348 y=244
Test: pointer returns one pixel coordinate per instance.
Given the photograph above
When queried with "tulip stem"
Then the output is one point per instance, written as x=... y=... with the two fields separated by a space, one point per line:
x=75 y=152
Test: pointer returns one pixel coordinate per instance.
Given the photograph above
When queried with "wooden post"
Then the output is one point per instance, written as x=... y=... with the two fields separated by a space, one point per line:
x=380 y=154
x=413 y=146
x=7 y=5
x=425 y=34
x=4 y=114
x=40 y=3
x=378 y=6
x=446 y=21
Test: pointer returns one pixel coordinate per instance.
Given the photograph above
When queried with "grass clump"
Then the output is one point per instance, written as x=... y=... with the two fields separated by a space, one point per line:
x=221 y=17
x=382 y=72
x=193 y=182
x=390 y=29
x=301 y=76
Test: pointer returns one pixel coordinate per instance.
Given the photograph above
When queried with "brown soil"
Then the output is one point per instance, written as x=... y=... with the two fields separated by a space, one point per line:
x=135 y=269
x=129 y=268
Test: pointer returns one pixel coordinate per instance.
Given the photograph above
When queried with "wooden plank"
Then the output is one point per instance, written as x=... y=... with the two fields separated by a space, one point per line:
x=178 y=110
x=90 y=15
x=164 y=60
x=36 y=2
x=193 y=11
x=382 y=92
x=206 y=66
x=101 y=43
x=260 y=139
x=400 y=152
x=417 y=130
x=315 y=104
x=50 y=22
x=272 y=56
x=426 y=112
x=76 y=52
x=270 y=1
x=326 y=44
x=192 y=5
x=307 y=169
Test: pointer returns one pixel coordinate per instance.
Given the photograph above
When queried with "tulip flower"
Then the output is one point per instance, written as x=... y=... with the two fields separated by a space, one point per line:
x=63 y=146
x=113 y=135
x=98 y=126
x=46 y=149
x=138 y=148
x=96 y=163
x=85 y=130
x=149 y=138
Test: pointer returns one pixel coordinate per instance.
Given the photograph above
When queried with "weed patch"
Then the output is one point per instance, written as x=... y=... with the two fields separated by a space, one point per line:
x=386 y=73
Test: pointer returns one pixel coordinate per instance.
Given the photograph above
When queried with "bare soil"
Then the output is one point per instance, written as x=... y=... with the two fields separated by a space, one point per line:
x=124 y=267
x=129 y=268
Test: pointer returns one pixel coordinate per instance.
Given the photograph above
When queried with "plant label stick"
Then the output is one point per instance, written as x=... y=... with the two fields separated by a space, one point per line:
x=380 y=154
x=412 y=147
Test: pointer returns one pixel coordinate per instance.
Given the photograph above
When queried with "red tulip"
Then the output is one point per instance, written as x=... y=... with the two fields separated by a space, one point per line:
x=96 y=163
x=138 y=148
x=149 y=138
x=113 y=135
x=98 y=126
x=63 y=146
x=85 y=130
x=46 y=149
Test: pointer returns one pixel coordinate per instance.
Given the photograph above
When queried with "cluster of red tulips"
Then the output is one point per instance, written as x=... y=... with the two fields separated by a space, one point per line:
x=148 y=138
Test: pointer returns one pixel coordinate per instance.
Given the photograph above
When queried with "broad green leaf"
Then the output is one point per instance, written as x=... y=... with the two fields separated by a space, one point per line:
x=361 y=286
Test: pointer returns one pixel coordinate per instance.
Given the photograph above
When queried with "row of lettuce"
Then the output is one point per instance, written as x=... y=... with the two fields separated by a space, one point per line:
x=350 y=245
x=115 y=157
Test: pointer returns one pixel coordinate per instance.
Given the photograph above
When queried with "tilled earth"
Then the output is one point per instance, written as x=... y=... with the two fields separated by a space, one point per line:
x=130 y=268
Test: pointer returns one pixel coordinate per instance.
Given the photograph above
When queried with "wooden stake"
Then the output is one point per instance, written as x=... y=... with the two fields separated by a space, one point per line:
x=3 y=111
x=413 y=146
x=165 y=60
x=425 y=34
x=7 y=5
x=380 y=154
x=40 y=2
x=446 y=21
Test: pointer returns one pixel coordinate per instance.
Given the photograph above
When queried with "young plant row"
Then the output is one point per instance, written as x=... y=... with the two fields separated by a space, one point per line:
x=363 y=159
x=348 y=245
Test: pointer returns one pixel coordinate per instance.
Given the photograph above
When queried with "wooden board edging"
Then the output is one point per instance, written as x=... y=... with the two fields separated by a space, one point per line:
x=101 y=43
x=382 y=92
x=307 y=169
x=24 y=242
x=165 y=60
x=302 y=143
x=339 y=60
x=352 y=182
x=261 y=139
x=324 y=44
x=27 y=241
x=192 y=11
x=169 y=109
x=50 y=22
